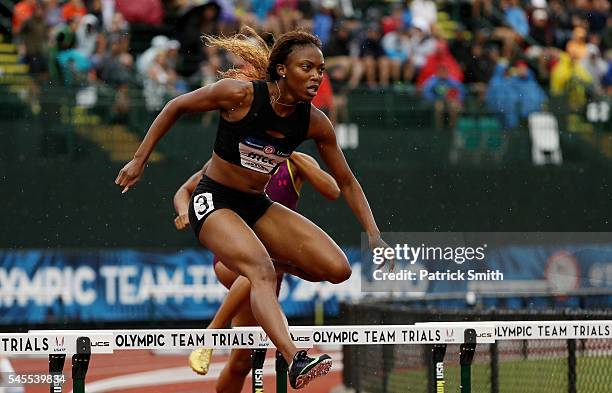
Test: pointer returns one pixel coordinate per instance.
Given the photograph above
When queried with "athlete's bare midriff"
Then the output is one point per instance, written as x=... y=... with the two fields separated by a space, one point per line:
x=236 y=177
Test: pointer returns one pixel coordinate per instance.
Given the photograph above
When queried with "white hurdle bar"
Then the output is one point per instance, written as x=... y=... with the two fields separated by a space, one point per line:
x=82 y=343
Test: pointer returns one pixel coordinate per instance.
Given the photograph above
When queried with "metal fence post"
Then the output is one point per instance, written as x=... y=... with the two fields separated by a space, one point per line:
x=281 y=373
x=258 y=356
x=571 y=366
x=494 y=368
x=466 y=356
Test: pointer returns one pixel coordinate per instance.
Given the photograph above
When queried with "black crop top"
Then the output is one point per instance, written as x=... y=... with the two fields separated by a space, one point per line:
x=246 y=143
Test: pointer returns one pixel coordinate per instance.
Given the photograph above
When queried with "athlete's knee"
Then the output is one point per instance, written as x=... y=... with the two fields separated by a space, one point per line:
x=340 y=270
x=261 y=270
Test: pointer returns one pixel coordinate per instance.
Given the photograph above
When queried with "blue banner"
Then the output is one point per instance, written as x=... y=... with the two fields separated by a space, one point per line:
x=49 y=286
x=127 y=285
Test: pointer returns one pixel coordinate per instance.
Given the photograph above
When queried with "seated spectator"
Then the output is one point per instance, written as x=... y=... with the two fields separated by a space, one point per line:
x=375 y=62
x=440 y=57
x=422 y=44
x=397 y=48
x=342 y=65
x=446 y=93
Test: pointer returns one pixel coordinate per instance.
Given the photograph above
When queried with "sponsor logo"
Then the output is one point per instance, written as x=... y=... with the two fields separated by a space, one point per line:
x=59 y=341
x=484 y=335
x=440 y=370
x=100 y=344
x=449 y=333
x=269 y=149
x=258 y=383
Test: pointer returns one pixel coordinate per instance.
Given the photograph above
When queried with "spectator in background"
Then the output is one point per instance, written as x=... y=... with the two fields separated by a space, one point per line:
x=422 y=44
x=73 y=9
x=606 y=80
x=540 y=29
x=397 y=20
x=53 y=13
x=324 y=100
x=561 y=23
x=440 y=59
x=22 y=11
x=569 y=78
x=147 y=57
x=396 y=44
x=446 y=93
x=341 y=63
x=34 y=36
x=87 y=35
x=323 y=20
x=606 y=40
x=598 y=15
x=375 y=62
x=515 y=17
x=530 y=95
x=501 y=98
x=596 y=66
x=479 y=69
x=577 y=45
x=425 y=11
x=148 y=12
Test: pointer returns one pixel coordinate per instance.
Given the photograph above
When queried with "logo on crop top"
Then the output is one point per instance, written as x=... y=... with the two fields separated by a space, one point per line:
x=260 y=156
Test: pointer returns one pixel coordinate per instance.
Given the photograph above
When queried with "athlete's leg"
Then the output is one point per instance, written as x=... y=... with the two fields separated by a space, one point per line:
x=288 y=236
x=229 y=237
x=231 y=379
x=234 y=298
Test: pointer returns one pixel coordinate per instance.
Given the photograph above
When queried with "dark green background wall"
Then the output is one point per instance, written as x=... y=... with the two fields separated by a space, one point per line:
x=57 y=189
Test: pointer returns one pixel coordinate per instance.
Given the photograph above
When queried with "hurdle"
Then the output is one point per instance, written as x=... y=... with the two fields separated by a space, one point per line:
x=512 y=330
x=57 y=344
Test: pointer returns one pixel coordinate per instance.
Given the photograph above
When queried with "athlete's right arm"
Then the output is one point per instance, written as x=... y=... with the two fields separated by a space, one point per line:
x=223 y=95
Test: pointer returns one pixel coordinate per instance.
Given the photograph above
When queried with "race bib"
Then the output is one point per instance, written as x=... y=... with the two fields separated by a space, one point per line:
x=260 y=156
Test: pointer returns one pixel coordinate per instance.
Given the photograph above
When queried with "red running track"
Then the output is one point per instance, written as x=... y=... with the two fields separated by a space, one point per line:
x=151 y=372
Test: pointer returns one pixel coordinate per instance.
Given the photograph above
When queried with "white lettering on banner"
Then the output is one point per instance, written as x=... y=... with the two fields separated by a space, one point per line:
x=125 y=285
x=47 y=286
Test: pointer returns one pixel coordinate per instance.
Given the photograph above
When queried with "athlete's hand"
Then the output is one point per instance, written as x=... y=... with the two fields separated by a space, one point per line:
x=181 y=221
x=130 y=174
x=375 y=241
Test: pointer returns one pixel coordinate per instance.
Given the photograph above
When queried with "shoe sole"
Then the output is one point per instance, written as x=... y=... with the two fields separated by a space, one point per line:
x=319 y=370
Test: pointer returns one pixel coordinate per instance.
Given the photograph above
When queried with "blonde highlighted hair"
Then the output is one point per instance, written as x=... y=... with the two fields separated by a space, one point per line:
x=261 y=60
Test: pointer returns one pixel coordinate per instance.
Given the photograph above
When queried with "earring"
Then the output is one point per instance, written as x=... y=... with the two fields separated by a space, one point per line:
x=284 y=76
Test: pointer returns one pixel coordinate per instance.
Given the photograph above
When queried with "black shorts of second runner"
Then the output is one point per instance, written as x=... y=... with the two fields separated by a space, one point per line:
x=210 y=195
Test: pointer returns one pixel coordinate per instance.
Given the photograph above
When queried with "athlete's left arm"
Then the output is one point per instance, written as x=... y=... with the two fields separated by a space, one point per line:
x=322 y=131
x=308 y=169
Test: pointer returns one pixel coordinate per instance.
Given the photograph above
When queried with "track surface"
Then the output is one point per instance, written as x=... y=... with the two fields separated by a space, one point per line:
x=146 y=371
